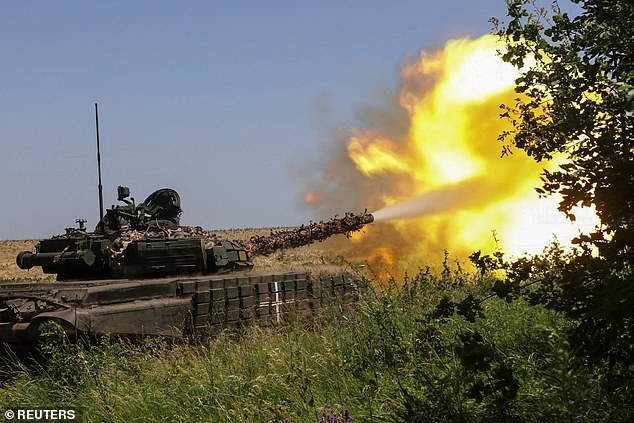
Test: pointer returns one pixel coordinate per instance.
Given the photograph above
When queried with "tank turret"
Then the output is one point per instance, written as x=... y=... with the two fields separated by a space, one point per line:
x=146 y=240
x=110 y=252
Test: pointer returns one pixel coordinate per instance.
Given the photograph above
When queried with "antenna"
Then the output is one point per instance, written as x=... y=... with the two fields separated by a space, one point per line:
x=100 y=187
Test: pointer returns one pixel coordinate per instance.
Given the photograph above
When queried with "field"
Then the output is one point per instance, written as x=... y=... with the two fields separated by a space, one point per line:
x=437 y=347
x=9 y=270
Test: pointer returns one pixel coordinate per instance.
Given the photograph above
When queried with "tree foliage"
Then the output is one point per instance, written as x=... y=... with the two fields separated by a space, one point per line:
x=577 y=99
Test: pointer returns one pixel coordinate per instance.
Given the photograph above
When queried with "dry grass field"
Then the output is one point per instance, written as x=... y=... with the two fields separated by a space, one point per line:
x=337 y=250
x=9 y=270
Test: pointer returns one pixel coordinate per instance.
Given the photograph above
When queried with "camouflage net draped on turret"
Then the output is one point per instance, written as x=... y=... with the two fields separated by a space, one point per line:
x=256 y=245
x=127 y=235
x=306 y=234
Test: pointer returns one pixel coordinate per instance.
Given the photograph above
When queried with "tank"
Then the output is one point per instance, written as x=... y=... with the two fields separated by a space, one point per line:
x=141 y=273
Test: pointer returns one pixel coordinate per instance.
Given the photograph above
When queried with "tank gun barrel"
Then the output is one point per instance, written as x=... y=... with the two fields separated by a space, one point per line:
x=307 y=234
x=26 y=259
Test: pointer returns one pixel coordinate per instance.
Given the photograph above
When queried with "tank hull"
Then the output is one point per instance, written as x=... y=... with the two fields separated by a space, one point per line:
x=179 y=308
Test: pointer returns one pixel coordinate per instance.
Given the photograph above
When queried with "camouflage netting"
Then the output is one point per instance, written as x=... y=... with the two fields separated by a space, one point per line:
x=256 y=245
x=306 y=234
x=127 y=235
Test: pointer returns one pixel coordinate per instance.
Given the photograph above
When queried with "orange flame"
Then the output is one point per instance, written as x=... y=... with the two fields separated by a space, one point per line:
x=445 y=168
x=381 y=260
x=312 y=197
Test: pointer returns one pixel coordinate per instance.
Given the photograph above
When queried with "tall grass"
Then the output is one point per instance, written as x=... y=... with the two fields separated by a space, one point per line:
x=426 y=348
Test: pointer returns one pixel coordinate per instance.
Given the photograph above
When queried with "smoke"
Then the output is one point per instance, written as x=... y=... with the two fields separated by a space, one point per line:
x=334 y=182
x=377 y=165
x=426 y=161
x=451 y=198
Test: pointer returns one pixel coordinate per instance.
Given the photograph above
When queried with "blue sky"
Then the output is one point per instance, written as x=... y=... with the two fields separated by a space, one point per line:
x=229 y=103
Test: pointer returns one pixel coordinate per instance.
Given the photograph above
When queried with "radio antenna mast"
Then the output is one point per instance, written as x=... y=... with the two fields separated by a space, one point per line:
x=100 y=187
